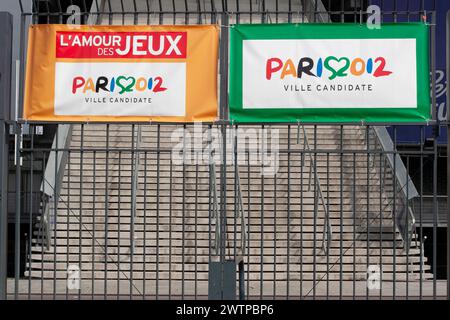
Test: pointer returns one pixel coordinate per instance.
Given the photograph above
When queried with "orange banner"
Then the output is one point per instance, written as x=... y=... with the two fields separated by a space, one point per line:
x=122 y=73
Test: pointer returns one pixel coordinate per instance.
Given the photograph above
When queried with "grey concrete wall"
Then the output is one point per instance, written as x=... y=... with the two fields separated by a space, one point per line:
x=13 y=7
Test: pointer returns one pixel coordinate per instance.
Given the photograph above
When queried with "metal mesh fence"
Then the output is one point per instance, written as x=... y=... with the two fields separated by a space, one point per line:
x=290 y=211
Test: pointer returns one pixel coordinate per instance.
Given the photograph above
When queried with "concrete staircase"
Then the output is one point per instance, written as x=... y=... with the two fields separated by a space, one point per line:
x=161 y=243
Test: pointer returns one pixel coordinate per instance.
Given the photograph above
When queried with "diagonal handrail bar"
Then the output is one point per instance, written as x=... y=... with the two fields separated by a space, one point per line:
x=327 y=233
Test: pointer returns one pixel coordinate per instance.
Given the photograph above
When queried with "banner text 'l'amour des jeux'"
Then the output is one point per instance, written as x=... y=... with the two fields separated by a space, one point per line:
x=122 y=73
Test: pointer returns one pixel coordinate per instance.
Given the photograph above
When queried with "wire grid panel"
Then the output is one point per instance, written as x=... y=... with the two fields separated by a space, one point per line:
x=130 y=222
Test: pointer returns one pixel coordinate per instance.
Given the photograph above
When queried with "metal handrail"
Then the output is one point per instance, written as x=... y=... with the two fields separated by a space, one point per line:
x=212 y=184
x=50 y=180
x=53 y=177
x=407 y=187
x=240 y=203
x=45 y=222
x=241 y=212
x=135 y=164
x=135 y=175
x=385 y=141
x=327 y=233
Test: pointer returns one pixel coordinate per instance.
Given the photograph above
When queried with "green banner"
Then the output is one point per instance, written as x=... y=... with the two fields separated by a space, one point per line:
x=329 y=73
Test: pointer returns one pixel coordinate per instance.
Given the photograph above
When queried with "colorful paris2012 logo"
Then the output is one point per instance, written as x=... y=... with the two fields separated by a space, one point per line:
x=331 y=67
x=120 y=84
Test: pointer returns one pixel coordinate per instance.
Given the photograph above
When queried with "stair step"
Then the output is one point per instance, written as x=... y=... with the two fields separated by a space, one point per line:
x=166 y=191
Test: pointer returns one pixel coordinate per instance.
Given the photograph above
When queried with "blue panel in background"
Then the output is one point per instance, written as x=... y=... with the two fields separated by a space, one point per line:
x=411 y=134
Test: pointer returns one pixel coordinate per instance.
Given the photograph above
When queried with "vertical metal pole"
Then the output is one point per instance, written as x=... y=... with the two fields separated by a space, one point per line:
x=17 y=157
x=6 y=26
x=302 y=164
x=55 y=208
x=17 y=217
x=241 y=280
x=313 y=157
x=170 y=223
x=223 y=206
x=341 y=209
x=119 y=210
x=433 y=66
x=223 y=115
x=394 y=210
x=145 y=222
x=30 y=213
x=158 y=177
x=422 y=134
x=354 y=222
x=3 y=207
x=94 y=216
x=68 y=213
x=22 y=65
x=288 y=252
x=448 y=154
x=183 y=212
x=105 y=277
x=435 y=213
x=435 y=150
x=134 y=168
x=80 y=205
x=42 y=231
x=262 y=213
x=197 y=160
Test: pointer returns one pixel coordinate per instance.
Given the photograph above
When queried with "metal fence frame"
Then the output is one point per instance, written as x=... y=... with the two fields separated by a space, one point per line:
x=223 y=12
